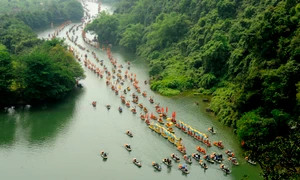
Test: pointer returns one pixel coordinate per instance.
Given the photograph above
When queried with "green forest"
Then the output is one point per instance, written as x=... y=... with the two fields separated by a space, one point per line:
x=40 y=13
x=34 y=70
x=245 y=53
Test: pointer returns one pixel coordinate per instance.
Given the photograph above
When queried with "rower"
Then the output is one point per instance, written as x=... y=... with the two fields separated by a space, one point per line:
x=212 y=129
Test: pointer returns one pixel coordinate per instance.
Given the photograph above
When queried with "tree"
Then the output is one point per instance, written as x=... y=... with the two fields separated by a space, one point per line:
x=106 y=27
x=50 y=72
x=6 y=75
x=132 y=37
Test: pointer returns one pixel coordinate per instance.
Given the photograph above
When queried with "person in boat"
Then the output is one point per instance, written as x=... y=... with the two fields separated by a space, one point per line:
x=169 y=161
x=233 y=160
x=220 y=143
x=128 y=146
x=230 y=153
x=120 y=109
x=212 y=129
x=134 y=160
x=204 y=164
x=145 y=81
x=104 y=154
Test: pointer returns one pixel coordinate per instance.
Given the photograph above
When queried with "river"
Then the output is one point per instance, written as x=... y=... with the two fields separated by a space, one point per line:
x=63 y=140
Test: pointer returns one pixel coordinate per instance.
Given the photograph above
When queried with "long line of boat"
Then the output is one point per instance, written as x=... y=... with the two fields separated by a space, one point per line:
x=115 y=80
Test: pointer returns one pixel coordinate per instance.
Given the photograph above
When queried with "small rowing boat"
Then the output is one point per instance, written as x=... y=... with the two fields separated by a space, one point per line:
x=196 y=156
x=183 y=169
x=156 y=166
x=211 y=130
x=187 y=159
x=129 y=133
x=167 y=162
x=202 y=164
x=127 y=147
x=175 y=157
x=219 y=144
x=104 y=155
x=137 y=163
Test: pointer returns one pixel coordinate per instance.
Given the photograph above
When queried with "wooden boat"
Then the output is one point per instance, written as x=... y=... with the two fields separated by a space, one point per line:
x=219 y=144
x=156 y=166
x=181 y=149
x=145 y=109
x=133 y=110
x=175 y=157
x=161 y=121
x=203 y=165
x=187 y=159
x=167 y=162
x=127 y=147
x=94 y=103
x=141 y=105
x=250 y=161
x=151 y=127
x=169 y=124
x=157 y=106
x=201 y=150
x=211 y=131
x=137 y=163
x=233 y=161
x=104 y=155
x=153 y=117
x=144 y=94
x=229 y=153
x=208 y=159
x=183 y=169
x=120 y=109
x=225 y=169
x=196 y=156
x=151 y=100
x=129 y=133
x=135 y=101
x=171 y=130
x=127 y=104
x=142 y=117
x=147 y=122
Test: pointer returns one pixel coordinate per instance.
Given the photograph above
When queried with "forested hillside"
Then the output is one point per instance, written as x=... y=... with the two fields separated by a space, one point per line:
x=34 y=70
x=40 y=13
x=246 y=53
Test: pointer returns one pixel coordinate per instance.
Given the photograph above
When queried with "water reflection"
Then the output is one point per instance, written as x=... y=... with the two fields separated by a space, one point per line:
x=7 y=129
x=37 y=125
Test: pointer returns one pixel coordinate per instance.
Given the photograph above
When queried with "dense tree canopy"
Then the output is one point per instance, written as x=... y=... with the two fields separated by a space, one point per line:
x=33 y=70
x=40 y=13
x=243 y=52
